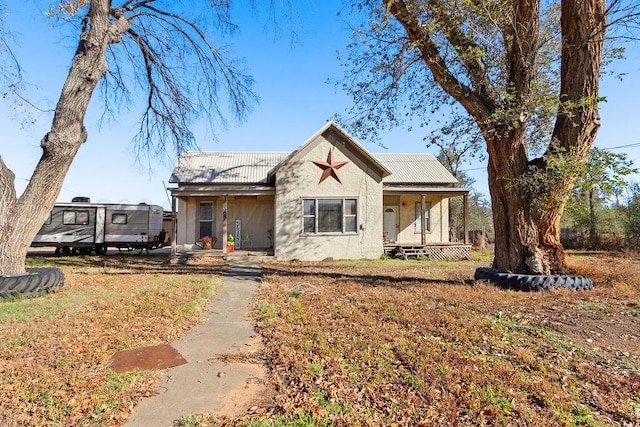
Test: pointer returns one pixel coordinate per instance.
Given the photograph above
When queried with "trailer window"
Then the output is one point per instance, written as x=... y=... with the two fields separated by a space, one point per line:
x=119 y=218
x=48 y=220
x=82 y=217
x=75 y=217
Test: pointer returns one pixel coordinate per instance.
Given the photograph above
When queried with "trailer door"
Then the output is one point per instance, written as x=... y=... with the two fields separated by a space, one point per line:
x=101 y=214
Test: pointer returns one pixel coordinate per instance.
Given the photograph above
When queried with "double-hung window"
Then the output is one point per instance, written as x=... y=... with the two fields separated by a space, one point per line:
x=418 y=222
x=205 y=219
x=329 y=215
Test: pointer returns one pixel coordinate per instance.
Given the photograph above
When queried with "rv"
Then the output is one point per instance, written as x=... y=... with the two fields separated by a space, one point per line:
x=82 y=227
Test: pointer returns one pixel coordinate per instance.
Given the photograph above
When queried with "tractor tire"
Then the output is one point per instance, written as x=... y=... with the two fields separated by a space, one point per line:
x=33 y=283
x=532 y=282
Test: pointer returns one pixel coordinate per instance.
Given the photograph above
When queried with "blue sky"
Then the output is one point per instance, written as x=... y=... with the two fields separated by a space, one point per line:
x=296 y=101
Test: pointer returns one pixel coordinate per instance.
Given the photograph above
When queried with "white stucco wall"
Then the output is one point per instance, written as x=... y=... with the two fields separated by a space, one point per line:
x=299 y=179
x=438 y=228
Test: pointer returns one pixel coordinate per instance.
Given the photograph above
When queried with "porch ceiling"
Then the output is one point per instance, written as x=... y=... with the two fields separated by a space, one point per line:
x=440 y=191
x=216 y=190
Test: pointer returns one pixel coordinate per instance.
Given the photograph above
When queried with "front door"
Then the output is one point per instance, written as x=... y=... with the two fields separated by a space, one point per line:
x=390 y=224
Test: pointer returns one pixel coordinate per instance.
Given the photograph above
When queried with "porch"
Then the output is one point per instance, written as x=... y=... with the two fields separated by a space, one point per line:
x=182 y=256
x=437 y=251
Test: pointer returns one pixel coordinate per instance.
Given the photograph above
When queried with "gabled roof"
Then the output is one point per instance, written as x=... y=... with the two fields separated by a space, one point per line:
x=413 y=168
x=371 y=160
x=218 y=167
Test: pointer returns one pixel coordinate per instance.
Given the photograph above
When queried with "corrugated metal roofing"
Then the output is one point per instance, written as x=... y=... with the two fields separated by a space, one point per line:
x=217 y=167
x=409 y=168
x=213 y=167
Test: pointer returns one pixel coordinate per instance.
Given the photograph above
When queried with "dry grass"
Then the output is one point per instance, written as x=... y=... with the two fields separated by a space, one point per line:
x=56 y=349
x=411 y=343
x=348 y=343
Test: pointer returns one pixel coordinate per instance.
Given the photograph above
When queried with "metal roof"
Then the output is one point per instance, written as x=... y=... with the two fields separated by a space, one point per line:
x=411 y=168
x=372 y=161
x=214 y=167
x=217 y=167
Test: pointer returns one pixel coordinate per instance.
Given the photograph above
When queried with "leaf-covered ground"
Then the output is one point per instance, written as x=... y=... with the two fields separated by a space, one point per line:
x=348 y=343
x=55 y=350
x=412 y=343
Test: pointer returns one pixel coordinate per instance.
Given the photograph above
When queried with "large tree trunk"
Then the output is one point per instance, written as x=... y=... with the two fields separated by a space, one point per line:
x=526 y=215
x=21 y=218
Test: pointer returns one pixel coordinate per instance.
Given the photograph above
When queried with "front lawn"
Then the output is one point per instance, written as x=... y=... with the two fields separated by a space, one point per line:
x=413 y=343
x=56 y=349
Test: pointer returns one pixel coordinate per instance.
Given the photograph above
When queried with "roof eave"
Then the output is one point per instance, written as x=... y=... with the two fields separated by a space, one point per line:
x=384 y=171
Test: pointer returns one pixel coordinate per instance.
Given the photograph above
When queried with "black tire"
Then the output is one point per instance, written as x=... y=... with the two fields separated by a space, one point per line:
x=35 y=282
x=63 y=251
x=533 y=283
x=100 y=249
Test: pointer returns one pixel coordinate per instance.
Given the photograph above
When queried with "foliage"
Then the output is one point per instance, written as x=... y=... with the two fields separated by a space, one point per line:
x=511 y=66
x=603 y=176
x=633 y=211
x=56 y=349
x=452 y=156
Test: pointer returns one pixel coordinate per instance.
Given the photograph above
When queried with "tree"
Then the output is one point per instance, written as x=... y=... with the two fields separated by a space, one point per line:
x=456 y=145
x=168 y=54
x=633 y=211
x=603 y=175
x=498 y=60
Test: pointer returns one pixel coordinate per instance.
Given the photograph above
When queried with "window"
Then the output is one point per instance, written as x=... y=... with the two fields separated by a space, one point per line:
x=48 y=220
x=329 y=215
x=75 y=217
x=206 y=219
x=309 y=215
x=118 y=218
x=418 y=223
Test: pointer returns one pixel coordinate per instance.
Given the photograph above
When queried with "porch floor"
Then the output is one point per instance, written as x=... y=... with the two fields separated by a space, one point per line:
x=438 y=251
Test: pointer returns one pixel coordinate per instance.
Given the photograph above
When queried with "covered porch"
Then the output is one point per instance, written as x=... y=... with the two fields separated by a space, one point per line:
x=244 y=212
x=416 y=222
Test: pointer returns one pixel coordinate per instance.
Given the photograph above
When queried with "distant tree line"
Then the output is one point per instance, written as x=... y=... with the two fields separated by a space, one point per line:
x=603 y=211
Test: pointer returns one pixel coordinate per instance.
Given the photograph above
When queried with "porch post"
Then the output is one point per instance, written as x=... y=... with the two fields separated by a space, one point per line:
x=174 y=229
x=465 y=213
x=224 y=224
x=423 y=222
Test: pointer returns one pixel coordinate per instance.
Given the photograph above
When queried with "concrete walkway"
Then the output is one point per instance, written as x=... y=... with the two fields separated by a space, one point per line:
x=207 y=385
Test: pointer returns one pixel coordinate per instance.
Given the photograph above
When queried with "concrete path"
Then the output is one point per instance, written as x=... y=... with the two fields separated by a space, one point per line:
x=207 y=385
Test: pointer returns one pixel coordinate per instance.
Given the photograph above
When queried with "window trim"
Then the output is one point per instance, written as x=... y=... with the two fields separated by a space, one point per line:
x=316 y=203
x=75 y=213
x=211 y=220
x=119 y=215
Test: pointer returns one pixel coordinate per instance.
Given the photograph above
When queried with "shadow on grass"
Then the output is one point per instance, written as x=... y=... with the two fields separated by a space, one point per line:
x=131 y=263
x=369 y=280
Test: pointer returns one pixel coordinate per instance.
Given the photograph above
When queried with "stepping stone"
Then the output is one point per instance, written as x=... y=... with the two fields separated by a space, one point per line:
x=145 y=358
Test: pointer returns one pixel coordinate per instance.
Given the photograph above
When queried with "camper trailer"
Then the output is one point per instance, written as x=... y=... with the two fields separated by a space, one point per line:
x=82 y=227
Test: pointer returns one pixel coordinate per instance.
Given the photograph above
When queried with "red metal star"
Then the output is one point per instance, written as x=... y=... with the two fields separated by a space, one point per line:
x=330 y=168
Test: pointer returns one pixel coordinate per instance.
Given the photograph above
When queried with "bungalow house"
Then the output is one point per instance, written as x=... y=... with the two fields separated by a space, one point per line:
x=328 y=198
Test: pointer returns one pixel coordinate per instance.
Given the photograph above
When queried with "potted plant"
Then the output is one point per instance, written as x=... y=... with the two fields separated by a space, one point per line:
x=231 y=244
